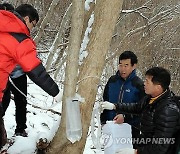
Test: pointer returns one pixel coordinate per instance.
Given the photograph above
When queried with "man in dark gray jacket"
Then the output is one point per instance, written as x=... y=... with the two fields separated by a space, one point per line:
x=160 y=115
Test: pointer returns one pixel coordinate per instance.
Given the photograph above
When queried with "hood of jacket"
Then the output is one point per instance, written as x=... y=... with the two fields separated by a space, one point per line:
x=11 y=23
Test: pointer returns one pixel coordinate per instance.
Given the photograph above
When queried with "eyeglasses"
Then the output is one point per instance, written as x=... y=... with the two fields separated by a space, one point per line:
x=34 y=25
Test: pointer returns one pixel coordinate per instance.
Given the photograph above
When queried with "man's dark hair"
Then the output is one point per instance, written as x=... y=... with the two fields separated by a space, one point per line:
x=28 y=10
x=129 y=55
x=6 y=6
x=160 y=76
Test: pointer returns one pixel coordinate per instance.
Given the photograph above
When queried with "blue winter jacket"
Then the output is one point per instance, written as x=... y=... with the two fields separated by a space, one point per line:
x=118 y=90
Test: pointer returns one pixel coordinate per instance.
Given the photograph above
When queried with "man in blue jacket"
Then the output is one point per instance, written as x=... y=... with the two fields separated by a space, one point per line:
x=125 y=86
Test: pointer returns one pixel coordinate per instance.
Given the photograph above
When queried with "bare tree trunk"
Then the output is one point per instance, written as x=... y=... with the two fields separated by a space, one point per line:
x=74 y=47
x=71 y=67
x=106 y=13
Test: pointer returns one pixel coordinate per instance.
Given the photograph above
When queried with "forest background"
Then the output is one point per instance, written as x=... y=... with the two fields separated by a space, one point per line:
x=79 y=43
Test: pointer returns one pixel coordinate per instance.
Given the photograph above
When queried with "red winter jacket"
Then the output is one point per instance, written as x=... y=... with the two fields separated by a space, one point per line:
x=13 y=52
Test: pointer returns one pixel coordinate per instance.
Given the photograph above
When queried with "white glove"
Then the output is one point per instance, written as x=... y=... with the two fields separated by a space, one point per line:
x=107 y=105
x=126 y=151
x=58 y=97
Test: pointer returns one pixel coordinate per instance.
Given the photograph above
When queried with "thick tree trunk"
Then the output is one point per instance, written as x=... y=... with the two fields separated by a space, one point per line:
x=71 y=73
x=106 y=13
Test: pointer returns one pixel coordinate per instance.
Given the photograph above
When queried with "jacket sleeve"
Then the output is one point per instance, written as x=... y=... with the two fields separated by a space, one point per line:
x=40 y=77
x=26 y=57
x=131 y=108
x=166 y=121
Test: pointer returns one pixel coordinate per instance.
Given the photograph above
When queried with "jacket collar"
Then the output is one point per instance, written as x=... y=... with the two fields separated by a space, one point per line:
x=132 y=75
x=165 y=95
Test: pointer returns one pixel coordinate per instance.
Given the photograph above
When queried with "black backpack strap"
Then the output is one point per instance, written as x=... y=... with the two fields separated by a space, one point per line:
x=19 y=36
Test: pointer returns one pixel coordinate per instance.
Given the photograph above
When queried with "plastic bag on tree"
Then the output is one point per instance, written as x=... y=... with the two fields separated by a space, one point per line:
x=73 y=121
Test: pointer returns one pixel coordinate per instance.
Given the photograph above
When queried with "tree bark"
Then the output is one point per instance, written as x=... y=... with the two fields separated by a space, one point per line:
x=71 y=72
x=106 y=13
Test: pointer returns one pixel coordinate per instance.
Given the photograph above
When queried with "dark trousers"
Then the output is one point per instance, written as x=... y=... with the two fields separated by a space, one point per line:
x=135 y=134
x=19 y=99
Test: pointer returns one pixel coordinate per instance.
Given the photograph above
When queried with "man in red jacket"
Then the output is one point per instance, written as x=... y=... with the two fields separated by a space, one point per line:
x=17 y=47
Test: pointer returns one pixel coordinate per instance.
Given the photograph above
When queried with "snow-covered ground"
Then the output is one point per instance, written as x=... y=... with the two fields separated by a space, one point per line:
x=40 y=122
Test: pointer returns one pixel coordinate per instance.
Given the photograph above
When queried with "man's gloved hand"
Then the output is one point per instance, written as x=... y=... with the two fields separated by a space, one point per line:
x=107 y=105
x=126 y=151
x=58 y=97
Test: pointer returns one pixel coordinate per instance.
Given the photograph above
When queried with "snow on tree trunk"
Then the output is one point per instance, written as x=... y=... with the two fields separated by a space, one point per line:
x=106 y=13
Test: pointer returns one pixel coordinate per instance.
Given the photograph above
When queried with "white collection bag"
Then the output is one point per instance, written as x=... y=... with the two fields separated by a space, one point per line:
x=116 y=136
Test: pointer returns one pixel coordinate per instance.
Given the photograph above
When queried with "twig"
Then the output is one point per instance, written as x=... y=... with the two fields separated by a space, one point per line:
x=51 y=110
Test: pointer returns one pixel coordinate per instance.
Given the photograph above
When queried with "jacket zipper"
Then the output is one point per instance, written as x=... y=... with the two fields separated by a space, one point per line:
x=121 y=93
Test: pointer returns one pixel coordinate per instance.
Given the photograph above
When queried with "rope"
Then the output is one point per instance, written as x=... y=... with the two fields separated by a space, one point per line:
x=17 y=88
x=35 y=106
